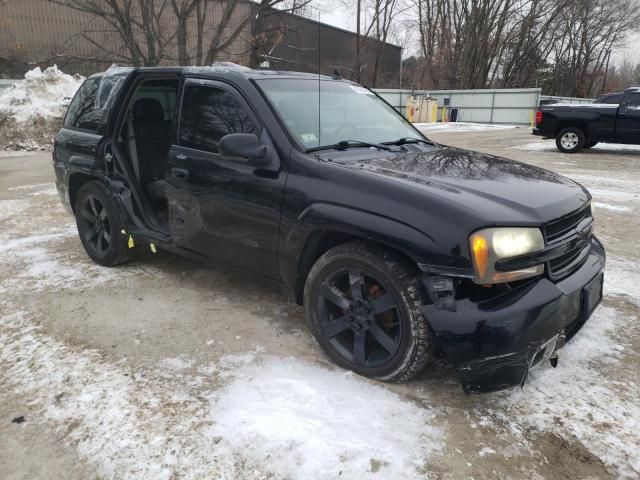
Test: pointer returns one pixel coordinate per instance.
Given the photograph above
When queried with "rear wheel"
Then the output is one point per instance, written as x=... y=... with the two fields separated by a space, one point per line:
x=100 y=226
x=571 y=140
x=363 y=307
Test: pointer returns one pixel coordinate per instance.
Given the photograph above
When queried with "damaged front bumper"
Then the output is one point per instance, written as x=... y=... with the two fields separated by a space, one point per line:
x=494 y=342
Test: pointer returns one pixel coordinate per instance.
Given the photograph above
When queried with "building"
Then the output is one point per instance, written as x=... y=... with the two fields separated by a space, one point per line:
x=41 y=33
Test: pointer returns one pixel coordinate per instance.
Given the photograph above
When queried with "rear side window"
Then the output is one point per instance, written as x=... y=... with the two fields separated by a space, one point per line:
x=83 y=112
x=633 y=101
x=208 y=114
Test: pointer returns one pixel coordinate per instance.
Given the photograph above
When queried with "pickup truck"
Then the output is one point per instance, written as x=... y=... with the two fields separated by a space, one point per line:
x=580 y=126
x=395 y=245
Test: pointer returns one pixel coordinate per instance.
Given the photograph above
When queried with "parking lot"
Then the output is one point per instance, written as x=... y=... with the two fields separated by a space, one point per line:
x=166 y=369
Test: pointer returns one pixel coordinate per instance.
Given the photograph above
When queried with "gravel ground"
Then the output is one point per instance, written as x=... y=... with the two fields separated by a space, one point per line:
x=166 y=369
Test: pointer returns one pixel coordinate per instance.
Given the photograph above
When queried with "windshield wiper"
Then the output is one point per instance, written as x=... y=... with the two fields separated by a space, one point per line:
x=346 y=144
x=406 y=140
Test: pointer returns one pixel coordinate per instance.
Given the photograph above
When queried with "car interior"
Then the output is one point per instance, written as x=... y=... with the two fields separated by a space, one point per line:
x=147 y=134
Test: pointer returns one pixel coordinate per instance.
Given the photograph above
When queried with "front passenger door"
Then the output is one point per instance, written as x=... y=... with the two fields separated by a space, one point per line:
x=224 y=209
x=628 y=122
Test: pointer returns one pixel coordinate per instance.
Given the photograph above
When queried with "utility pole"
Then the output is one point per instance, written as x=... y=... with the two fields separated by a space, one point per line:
x=358 y=10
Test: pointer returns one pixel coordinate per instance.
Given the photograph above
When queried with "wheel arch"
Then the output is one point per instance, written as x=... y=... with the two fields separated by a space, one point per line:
x=328 y=226
x=76 y=181
x=581 y=124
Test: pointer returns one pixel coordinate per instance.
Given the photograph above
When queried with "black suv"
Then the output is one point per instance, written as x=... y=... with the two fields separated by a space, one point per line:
x=396 y=246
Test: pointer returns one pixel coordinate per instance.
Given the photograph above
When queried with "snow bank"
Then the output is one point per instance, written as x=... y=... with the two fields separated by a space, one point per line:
x=32 y=109
x=460 y=127
x=550 y=146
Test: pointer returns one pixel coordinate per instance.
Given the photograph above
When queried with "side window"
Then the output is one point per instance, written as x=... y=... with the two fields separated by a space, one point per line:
x=633 y=101
x=83 y=112
x=208 y=114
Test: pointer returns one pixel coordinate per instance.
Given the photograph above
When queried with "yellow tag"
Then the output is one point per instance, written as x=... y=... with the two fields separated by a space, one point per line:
x=131 y=243
x=153 y=248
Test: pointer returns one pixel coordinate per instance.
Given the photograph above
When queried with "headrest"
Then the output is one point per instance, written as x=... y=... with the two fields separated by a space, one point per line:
x=148 y=109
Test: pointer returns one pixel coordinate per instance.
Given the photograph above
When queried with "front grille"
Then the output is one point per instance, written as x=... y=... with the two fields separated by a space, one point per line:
x=559 y=228
x=564 y=231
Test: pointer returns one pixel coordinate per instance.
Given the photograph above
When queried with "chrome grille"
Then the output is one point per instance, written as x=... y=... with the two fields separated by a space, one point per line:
x=559 y=228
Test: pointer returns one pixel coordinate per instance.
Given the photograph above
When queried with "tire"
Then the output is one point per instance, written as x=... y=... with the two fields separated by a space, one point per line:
x=571 y=140
x=591 y=144
x=100 y=224
x=371 y=338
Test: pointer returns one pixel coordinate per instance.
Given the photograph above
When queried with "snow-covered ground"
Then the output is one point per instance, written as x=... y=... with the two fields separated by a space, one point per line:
x=31 y=110
x=460 y=127
x=165 y=371
x=550 y=146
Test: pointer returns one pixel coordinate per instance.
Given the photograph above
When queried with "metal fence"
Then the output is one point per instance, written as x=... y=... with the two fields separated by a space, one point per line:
x=514 y=106
x=5 y=84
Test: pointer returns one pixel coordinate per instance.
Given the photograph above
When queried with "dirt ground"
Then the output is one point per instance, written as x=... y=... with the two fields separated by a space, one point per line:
x=166 y=369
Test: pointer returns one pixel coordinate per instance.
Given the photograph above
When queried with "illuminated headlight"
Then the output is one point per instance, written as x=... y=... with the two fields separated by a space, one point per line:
x=493 y=244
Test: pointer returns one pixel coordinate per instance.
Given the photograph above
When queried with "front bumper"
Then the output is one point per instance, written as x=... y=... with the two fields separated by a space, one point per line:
x=494 y=343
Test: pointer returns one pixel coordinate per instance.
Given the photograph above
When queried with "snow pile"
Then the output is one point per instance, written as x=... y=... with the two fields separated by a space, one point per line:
x=460 y=127
x=32 y=109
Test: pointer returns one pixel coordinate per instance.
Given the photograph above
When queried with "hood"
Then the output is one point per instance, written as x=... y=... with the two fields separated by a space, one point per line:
x=496 y=188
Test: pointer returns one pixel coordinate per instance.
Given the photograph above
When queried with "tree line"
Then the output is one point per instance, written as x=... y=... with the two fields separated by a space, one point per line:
x=564 y=46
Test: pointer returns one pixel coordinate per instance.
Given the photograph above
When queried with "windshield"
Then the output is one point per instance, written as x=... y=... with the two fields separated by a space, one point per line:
x=347 y=112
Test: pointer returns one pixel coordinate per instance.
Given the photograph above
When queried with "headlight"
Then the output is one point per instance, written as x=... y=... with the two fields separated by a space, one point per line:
x=493 y=244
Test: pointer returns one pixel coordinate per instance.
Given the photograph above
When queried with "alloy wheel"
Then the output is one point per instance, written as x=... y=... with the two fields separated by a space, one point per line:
x=359 y=317
x=95 y=220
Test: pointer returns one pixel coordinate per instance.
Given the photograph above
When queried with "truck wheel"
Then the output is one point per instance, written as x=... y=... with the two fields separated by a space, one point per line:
x=570 y=140
x=590 y=144
x=100 y=225
x=363 y=307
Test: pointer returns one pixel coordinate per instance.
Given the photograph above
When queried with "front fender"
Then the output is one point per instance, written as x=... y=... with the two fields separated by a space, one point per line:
x=318 y=217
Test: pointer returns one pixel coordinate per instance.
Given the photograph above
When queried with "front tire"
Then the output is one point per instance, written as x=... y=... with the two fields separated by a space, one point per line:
x=363 y=307
x=571 y=140
x=100 y=224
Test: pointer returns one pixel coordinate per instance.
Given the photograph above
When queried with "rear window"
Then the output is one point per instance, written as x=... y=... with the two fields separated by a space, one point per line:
x=83 y=112
x=94 y=98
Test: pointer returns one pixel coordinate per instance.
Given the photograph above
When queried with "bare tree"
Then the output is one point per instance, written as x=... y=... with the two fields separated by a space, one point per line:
x=149 y=32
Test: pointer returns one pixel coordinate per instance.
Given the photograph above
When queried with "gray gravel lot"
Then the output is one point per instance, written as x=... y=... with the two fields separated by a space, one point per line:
x=166 y=369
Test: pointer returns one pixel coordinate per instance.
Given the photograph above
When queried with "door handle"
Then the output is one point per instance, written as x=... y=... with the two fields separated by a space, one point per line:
x=180 y=173
x=181 y=156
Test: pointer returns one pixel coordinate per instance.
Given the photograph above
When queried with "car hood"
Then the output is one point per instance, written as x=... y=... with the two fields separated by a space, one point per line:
x=497 y=188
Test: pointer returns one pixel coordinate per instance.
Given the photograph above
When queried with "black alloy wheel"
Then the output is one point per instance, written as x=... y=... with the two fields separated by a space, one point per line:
x=359 y=317
x=363 y=304
x=100 y=226
x=97 y=229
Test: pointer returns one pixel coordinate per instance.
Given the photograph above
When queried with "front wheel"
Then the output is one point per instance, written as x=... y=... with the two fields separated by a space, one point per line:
x=363 y=307
x=570 y=140
x=100 y=226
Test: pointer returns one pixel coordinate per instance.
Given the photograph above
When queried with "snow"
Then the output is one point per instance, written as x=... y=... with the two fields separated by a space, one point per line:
x=41 y=95
x=460 y=127
x=612 y=208
x=32 y=109
x=550 y=146
x=302 y=421
x=283 y=416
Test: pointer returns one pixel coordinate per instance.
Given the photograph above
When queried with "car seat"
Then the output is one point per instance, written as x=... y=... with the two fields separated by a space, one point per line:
x=152 y=140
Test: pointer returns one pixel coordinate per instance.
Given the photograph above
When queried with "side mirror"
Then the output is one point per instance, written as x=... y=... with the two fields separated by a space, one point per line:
x=245 y=147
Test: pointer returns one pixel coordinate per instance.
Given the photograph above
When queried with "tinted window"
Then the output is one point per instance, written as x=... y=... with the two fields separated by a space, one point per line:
x=208 y=114
x=83 y=112
x=633 y=100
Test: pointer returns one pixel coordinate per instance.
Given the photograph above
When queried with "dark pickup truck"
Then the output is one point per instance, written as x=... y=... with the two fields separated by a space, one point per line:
x=585 y=125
